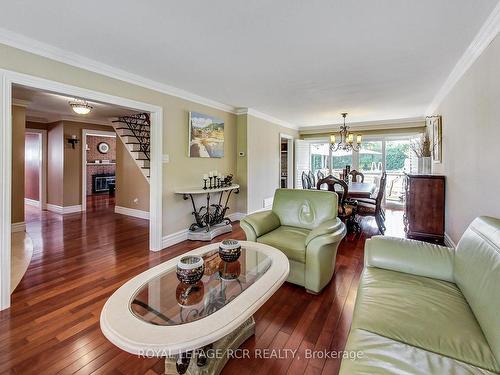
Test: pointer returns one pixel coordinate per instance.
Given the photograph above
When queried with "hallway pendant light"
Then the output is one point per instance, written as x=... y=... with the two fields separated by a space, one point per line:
x=346 y=142
x=80 y=106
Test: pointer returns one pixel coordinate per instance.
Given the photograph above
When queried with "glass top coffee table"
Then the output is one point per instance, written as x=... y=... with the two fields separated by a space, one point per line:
x=154 y=314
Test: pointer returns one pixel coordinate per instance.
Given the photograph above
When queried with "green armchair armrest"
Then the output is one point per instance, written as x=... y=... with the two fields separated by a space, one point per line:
x=321 y=251
x=259 y=223
x=327 y=227
x=409 y=256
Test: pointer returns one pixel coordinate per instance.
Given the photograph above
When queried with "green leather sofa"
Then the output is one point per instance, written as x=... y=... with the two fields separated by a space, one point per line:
x=304 y=225
x=427 y=309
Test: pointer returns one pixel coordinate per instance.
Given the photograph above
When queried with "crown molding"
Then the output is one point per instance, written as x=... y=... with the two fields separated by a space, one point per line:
x=44 y=117
x=482 y=40
x=36 y=47
x=409 y=122
x=20 y=103
x=263 y=116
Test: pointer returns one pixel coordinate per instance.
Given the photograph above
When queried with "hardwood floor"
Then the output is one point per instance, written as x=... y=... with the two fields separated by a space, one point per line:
x=80 y=259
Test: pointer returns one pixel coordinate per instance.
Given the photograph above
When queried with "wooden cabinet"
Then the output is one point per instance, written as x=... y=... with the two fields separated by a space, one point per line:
x=424 y=209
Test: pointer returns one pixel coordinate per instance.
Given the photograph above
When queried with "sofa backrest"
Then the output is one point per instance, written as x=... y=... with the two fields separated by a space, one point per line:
x=477 y=274
x=304 y=208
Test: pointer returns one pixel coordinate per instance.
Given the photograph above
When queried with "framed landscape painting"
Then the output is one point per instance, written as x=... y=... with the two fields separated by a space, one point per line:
x=206 y=136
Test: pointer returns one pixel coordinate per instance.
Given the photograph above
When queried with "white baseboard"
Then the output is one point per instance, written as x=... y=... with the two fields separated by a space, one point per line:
x=31 y=202
x=449 y=242
x=182 y=235
x=236 y=216
x=268 y=208
x=132 y=212
x=64 y=209
x=174 y=238
x=18 y=227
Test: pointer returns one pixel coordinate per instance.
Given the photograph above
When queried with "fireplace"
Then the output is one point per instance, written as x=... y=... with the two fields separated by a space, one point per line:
x=101 y=182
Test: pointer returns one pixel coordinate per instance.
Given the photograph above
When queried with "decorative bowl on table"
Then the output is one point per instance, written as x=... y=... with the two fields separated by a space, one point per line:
x=229 y=250
x=190 y=269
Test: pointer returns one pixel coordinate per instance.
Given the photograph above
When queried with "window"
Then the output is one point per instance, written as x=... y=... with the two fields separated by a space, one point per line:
x=397 y=162
x=339 y=160
x=319 y=158
x=370 y=160
x=377 y=154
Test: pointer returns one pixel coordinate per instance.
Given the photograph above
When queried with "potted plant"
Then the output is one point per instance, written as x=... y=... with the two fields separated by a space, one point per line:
x=423 y=150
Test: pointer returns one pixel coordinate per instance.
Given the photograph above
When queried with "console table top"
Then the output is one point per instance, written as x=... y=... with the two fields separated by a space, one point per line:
x=205 y=191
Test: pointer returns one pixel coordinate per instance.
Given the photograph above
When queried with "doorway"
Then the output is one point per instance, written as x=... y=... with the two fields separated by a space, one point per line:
x=35 y=168
x=286 y=161
x=98 y=168
x=7 y=80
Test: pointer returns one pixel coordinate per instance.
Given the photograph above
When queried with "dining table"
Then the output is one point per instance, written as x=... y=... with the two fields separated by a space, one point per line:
x=357 y=189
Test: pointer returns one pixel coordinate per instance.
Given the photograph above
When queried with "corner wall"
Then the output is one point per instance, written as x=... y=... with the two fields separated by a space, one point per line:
x=242 y=163
x=263 y=160
x=471 y=135
x=132 y=189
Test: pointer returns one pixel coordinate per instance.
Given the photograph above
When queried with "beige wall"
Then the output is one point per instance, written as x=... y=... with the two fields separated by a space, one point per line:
x=471 y=135
x=17 y=199
x=263 y=150
x=130 y=181
x=181 y=171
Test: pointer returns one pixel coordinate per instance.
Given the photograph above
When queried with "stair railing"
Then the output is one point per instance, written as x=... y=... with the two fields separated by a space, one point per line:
x=139 y=124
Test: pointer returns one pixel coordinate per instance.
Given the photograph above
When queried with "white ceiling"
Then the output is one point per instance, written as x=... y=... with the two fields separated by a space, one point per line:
x=303 y=62
x=48 y=107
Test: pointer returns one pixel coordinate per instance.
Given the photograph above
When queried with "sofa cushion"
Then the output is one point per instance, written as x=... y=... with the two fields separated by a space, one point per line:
x=304 y=208
x=423 y=312
x=477 y=273
x=378 y=355
x=290 y=240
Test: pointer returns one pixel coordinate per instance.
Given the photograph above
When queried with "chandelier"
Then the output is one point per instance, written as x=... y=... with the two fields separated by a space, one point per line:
x=80 y=106
x=346 y=142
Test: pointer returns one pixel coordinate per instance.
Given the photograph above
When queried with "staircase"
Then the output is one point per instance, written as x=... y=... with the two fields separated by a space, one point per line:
x=134 y=131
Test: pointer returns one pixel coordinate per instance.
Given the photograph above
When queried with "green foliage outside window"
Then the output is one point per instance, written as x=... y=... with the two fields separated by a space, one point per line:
x=316 y=162
x=339 y=162
x=395 y=155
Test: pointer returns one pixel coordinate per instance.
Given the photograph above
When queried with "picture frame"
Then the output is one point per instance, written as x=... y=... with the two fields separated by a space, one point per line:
x=206 y=136
x=434 y=124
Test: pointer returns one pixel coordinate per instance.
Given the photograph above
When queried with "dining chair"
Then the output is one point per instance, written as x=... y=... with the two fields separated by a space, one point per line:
x=312 y=179
x=378 y=181
x=355 y=174
x=320 y=175
x=306 y=182
x=347 y=208
x=373 y=207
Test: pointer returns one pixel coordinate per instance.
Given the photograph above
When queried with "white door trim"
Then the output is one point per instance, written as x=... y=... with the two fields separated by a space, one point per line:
x=7 y=79
x=43 y=167
x=85 y=133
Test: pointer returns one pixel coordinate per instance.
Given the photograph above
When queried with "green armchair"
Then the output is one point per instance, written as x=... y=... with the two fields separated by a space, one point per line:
x=303 y=224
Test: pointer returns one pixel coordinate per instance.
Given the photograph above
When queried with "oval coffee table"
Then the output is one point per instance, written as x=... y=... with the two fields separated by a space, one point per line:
x=153 y=314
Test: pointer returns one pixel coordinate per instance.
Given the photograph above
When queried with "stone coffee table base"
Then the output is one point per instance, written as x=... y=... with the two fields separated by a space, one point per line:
x=215 y=363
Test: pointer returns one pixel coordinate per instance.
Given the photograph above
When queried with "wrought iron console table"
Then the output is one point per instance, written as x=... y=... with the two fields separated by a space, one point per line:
x=211 y=220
